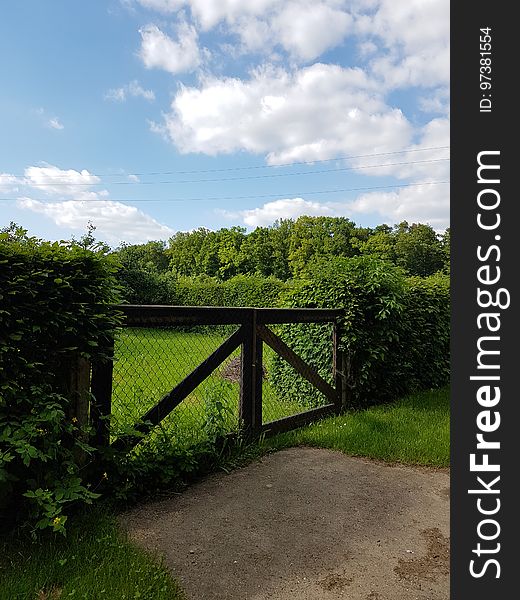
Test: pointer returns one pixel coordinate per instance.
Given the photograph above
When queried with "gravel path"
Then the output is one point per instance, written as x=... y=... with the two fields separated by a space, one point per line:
x=305 y=524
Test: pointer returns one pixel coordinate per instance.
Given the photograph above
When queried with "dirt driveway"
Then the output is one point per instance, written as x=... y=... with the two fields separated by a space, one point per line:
x=305 y=524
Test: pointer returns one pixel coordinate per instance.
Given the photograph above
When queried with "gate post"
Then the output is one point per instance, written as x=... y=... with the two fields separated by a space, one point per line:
x=339 y=368
x=101 y=406
x=250 y=406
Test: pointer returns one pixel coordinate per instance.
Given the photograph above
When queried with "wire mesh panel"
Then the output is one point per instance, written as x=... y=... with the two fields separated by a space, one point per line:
x=286 y=392
x=189 y=375
x=150 y=362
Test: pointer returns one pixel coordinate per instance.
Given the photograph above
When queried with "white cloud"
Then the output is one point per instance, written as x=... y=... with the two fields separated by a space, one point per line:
x=63 y=183
x=52 y=122
x=287 y=208
x=71 y=203
x=416 y=36
x=413 y=35
x=132 y=89
x=159 y=51
x=115 y=222
x=314 y=113
x=436 y=102
x=8 y=182
x=304 y=28
x=419 y=162
x=307 y=29
x=418 y=204
x=55 y=123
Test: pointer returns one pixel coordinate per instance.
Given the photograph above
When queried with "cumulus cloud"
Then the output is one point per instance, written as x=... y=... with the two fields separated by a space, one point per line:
x=417 y=204
x=159 y=51
x=307 y=29
x=71 y=203
x=415 y=34
x=115 y=222
x=287 y=208
x=303 y=28
x=63 y=183
x=423 y=160
x=313 y=113
x=132 y=89
x=8 y=182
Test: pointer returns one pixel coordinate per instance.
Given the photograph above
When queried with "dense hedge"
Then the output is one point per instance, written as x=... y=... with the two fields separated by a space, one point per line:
x=53 y=306
x=395 y=331
x=242 y=290
x=142 y=286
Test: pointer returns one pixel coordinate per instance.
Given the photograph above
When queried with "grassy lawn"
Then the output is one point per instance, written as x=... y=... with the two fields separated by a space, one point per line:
x=414 y=430
x=94 y=562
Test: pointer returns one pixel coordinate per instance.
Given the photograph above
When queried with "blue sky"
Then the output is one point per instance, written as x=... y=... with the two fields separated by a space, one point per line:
x=148 y=117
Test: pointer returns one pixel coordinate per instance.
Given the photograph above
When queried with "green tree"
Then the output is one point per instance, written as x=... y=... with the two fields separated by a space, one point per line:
x=418 y=249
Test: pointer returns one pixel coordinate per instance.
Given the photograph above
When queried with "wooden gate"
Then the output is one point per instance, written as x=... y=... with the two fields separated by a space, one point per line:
x=253 y=332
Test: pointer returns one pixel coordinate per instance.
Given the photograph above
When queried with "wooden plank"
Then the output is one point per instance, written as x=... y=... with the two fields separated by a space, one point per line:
x=79 y=394
x=245 y=403
x=250 y=406
x=150 y=315
x=155 y=315
x=296 y=315
x=305 y=370
x=101 y=405
x=258 y=372
x=164 y=407
x=298 y=420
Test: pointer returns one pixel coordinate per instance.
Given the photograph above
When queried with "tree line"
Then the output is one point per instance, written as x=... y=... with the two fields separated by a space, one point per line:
x=285 y=249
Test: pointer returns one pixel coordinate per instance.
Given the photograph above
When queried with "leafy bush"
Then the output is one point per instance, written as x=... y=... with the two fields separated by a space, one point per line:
x=54 y=308
x=426 y=331
x=395 y=331
x=242 y=290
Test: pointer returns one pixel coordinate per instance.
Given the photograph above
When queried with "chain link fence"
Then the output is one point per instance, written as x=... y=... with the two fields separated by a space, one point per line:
x=150 y=362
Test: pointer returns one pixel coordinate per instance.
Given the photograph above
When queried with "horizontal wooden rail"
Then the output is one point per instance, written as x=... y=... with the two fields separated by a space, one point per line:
x=156 y=315
x=298 y=420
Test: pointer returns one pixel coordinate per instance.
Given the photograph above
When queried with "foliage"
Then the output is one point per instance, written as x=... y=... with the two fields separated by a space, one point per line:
x=395 y=332
x=241 y=290
x=284 y=249
x=54 y=308
x=425 y=349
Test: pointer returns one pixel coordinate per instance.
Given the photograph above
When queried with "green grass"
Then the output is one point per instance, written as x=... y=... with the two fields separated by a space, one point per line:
x=413 y=430
x=94 y=562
